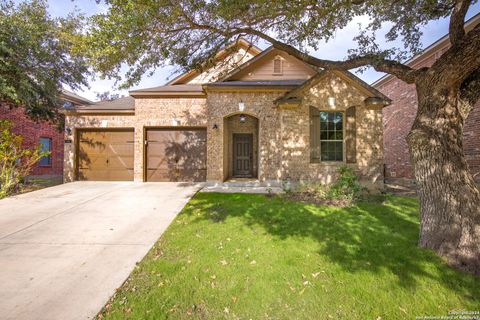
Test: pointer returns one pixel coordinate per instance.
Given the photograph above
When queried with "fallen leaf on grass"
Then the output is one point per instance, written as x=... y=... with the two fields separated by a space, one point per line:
x=224 y=262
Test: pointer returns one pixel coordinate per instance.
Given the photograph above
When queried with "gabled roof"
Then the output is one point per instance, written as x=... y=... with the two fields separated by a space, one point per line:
x=294 y=96
x=73 y=97
x=258 y=59
x=246 y=64
x=242 y=43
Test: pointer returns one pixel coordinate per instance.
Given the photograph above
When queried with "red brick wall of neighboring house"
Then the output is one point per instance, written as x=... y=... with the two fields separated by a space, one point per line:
x=398 y=119
x=32 y=132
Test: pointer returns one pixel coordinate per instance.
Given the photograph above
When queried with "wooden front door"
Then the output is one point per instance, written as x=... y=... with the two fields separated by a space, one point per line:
x=242 y=155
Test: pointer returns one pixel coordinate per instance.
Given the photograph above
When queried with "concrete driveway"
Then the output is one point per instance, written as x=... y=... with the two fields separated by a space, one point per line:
x=64 y=250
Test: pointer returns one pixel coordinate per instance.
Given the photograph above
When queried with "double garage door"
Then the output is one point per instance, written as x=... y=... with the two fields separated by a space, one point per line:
x=170 y=155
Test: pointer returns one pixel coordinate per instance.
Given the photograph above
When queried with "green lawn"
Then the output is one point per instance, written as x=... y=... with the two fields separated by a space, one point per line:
x=236 y=256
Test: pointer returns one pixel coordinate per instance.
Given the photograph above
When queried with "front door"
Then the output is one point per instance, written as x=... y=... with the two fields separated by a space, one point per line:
x=242 y=155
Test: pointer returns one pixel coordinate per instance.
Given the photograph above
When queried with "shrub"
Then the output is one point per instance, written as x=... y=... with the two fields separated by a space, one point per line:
x=343 y=192
x=16 y=162
x=346 y=186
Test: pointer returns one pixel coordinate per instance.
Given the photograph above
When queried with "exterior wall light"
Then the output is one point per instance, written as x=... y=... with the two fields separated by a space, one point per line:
x=68 y=131
x=241 y=106
x=243 y=118
x=215 y=126
x=331 y=102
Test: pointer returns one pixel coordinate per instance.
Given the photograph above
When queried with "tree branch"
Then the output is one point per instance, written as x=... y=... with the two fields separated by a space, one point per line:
x=395 y=68
x=401 y=71
x=457 y=21
x=459 y=61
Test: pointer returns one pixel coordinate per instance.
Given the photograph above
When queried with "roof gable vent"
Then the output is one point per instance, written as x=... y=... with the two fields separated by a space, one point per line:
x=277 y=66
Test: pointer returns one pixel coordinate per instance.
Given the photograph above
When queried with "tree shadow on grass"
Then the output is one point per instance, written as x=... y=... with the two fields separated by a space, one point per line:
x=368 y=237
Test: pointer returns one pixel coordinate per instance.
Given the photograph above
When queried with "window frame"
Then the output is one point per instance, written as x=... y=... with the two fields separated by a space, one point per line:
x=343 y=137
x=49 y=156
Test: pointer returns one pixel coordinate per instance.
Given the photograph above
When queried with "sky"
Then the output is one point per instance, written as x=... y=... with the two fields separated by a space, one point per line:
x=335 y=49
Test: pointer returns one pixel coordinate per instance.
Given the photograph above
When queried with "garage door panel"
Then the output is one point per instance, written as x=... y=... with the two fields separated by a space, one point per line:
x=120 y=175
x=176 y=155
x=161 y=175
x=93 y=161
x=97 y=174
x=105 y=155
x=116 y=163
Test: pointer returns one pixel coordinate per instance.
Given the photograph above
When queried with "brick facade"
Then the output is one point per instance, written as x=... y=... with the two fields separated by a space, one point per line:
x=398 y=119
x=32 y=131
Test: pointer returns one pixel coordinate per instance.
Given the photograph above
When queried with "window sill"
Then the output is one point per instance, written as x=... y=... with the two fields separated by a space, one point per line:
x=329 y=163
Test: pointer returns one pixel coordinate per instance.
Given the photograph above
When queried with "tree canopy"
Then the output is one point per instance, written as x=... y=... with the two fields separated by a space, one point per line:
x=36 y=57
x=147 y=34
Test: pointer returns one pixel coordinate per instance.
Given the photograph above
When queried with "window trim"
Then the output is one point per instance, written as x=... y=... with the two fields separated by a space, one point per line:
x=49 y=165
x=344 y=158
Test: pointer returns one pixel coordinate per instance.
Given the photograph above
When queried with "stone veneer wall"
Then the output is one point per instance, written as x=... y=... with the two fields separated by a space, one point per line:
x=221 y=104
x=284 y=133
x=296 y=135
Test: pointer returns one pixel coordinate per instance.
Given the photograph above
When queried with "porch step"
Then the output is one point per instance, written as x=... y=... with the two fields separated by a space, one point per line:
x=244 y=183
x=243 y=186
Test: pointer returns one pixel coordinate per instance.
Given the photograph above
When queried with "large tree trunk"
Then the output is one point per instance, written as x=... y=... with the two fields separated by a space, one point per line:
x=449 y=197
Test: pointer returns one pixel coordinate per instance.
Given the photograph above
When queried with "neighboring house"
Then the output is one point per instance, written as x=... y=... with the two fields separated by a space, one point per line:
x=44 y=133
x=266 y=117
x=399 y=116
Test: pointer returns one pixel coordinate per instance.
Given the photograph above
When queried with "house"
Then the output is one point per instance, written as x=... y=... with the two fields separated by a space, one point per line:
x=399 y=116
x=256 y=115
x=48 y=135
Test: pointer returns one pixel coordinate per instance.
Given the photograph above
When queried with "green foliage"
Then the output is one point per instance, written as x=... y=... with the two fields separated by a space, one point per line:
x=240 y=256
x=343 y=192
x=346 y=186
x=16 y=162
x=145 y=34
x=36 y=57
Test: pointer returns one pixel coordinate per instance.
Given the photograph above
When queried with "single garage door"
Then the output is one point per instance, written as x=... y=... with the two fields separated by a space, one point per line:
x=105 y=155
x=176 y=155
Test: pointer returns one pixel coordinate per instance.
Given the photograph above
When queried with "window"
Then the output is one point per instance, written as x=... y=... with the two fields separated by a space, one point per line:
x=46 y=145
x=277 y=66
x=331 y=136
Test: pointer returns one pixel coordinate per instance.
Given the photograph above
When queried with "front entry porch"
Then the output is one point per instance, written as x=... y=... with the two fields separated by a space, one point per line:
x=241 y=146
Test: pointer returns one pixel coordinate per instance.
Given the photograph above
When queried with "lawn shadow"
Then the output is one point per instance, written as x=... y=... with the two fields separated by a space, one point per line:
x=368 y=237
